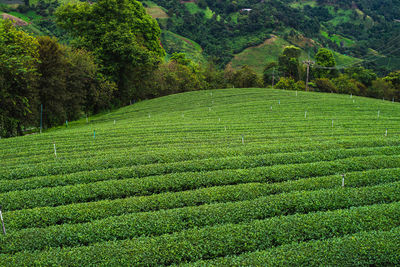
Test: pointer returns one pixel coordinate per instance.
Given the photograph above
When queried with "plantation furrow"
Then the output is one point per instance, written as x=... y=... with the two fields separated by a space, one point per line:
x=372 y=248
x=210 y=164
x=176 y=220
x=86 y=212
x=113 y=141
x=221 y=240
x=171 y=164
x=113 y=189
x=100 y=145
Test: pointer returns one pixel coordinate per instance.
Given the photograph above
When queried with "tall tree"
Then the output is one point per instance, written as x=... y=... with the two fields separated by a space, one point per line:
x=122 y=36
x=18 y=75
x=289 y=62
x=52 y=83
x=324 y=58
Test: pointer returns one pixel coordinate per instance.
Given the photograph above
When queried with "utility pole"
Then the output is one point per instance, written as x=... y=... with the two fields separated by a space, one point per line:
x=273 y=77
x=308 y=63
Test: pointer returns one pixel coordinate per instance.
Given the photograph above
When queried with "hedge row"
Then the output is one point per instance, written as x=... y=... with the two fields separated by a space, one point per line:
x=61 y=166
x=199 y=165
x=86 y=212
x=185 y=181
x=217 y=241
x=373 y=248
x=174 y=220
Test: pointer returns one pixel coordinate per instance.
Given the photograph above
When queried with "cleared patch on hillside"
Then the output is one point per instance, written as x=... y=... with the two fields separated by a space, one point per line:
x=173 y=42
x=258 y=56
x=194 y=8
x=154 y=10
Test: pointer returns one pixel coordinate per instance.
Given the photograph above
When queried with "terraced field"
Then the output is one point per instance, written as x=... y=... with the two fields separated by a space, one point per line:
x=222 y=177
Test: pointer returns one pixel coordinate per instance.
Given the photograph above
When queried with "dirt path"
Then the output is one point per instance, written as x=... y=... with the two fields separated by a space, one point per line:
x=15 y=20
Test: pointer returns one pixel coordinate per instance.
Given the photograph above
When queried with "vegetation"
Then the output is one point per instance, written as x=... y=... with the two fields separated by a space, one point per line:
x=233 y=176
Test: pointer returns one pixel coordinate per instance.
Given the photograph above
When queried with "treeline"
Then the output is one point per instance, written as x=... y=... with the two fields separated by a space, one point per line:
x=40 y=72
x=324 y=77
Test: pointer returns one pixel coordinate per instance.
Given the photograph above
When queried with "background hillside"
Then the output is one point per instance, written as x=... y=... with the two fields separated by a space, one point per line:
x=229 y=32
x=253 y=175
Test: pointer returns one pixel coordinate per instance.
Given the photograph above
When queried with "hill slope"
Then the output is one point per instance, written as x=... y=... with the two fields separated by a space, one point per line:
x=202 y=175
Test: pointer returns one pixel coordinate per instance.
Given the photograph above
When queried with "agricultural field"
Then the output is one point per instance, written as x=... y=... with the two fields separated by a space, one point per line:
x=229 y=177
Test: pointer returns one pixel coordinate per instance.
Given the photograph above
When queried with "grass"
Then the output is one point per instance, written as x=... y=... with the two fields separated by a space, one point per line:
x=155 y=11
x=194 y=8
x=302 y=3
x=257 y=57
x=218 y=178
x=177 y=43
x=339 y=39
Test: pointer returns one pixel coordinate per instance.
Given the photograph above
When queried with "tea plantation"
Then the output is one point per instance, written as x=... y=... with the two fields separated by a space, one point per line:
x=230 y=177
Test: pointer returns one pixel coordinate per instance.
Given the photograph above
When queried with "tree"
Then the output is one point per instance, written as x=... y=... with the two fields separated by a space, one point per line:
x=325 y=58
x=52 y=82
x=289 y=62
x=270 y=70
x=325 y=85
x=122 y=36
x=362 y=75
x=286 y=83
x=246 y=77
x=18 y=76
x=381 y=88
x=394 y=79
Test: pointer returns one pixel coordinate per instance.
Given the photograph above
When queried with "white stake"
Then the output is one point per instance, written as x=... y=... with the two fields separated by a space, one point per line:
x=55 y=151
x=332 y=123
x=351 y=95
x=305 y=115
x=242 y=140
x=2 y=222
x=114 y=122
x=393 y=100
x=379 y=113
x=386 y=132
x=149 y=115
x=279 y=102
x=271 y=107
x=342 y=180
x=219 y=119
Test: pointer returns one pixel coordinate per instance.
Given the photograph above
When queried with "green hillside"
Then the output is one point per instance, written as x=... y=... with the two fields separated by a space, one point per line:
x=258 y=56
x=173 y=42
x=223 y=177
